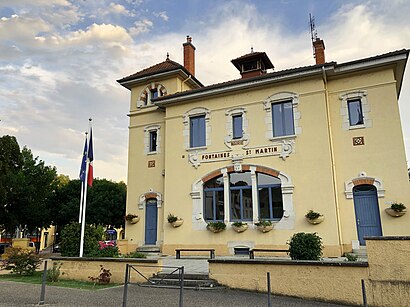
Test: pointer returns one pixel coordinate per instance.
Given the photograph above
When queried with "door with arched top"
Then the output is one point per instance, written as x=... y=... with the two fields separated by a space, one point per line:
x=366 y=207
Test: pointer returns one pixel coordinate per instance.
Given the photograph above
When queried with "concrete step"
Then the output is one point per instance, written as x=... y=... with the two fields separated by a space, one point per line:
x=191 y=281
x=149 y=249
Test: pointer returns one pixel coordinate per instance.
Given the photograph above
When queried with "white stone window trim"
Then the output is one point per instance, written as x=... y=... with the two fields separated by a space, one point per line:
x=229 y=114
x=377 y=183
x=146 y=92
x=344 y=110
x=279 y=98
x=286 y=222
x=142 y=202
x=147 y=131
x=186 y=131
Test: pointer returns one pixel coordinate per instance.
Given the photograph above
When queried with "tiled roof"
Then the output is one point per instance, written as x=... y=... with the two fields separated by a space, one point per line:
x=252 y=56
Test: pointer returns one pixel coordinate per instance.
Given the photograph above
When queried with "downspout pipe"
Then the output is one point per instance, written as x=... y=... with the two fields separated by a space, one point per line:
x=332 y=161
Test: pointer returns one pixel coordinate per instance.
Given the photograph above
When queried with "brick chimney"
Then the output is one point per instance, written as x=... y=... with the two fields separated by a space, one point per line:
x=319 y=47
x=189 y=55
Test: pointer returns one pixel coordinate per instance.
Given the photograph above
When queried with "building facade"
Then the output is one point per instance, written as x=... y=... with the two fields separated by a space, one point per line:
x=271 y=145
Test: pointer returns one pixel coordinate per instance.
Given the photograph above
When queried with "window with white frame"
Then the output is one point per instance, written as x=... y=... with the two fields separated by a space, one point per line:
x=282 y=115
x=236 y=127
x=196 y=129
x=214 y=199
x=152 y=139
x=240 y=188
x=355 y=110
x=270 y=197
x=237 y=124
x=150 y=92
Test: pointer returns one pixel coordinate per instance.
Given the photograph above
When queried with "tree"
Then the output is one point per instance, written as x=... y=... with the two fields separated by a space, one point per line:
x=27 y=186
x=105 y=203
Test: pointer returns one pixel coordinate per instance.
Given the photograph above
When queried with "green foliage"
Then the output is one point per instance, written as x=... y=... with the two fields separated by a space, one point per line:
x=312 y=215
x=217 y=225
x=70 y=239
x=305 y=246
x=135 y=255
x=238 y=224
x=398 y=207
x=351 y=257
x=103 y=278
x=129 y=217
x=53 y=273
x=107 y=252
x=172 y=218
x=263 y=223
x=27 y=187
x=21 y=261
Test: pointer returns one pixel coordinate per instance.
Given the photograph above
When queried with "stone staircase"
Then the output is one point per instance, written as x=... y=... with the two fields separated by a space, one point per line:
x=361 y=253
x=191 y=281
x=150 y=250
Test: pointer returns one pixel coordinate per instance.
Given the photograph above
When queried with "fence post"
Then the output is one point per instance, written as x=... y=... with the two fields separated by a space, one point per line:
x=181 y=287
x=43 y=284
x=268 y=278
x=364 y=294
x=126 y=281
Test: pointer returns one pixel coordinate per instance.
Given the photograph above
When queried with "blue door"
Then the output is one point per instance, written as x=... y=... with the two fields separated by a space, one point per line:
x=366 y=207
x=151 y=218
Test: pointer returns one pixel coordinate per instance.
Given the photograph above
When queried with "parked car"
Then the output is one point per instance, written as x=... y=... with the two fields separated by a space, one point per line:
x=56 y=248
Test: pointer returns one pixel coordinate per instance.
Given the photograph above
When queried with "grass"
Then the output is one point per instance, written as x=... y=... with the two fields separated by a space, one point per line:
x=37 y=279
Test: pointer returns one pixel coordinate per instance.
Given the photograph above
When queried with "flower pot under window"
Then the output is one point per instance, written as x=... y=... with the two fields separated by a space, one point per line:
x=177 y=223
x=394 y=213
x=215 y=230
x=241 y=228
x=317 y=220
x=266 y=228
x=135 y=220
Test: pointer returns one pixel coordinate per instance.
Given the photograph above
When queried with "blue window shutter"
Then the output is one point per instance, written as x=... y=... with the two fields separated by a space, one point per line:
x=237 y=126
x=197 y=131
x=355 y=112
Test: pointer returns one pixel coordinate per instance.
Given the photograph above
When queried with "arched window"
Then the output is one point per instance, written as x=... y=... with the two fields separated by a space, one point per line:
x=270 y=197
x=214 y=199
x=240 y=188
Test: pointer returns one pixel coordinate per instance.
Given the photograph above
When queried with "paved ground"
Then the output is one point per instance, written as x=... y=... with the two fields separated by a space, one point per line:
x=14 y=294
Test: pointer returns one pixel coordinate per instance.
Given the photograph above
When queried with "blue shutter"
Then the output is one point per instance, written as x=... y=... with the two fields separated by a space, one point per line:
x=237 y=126
x=197 y=131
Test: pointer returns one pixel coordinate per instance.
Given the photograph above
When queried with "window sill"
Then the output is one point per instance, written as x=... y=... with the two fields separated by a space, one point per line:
x=357 y=127
x=197 y=148
x=150 y=153
x=285 y=137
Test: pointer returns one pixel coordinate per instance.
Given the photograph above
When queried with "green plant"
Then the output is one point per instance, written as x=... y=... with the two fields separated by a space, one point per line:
x=239 y=224
x=305 y=246
x=263 y=223
x=130 y=216
x=172 y=218
x=398 y=207
x=53 y=274
x=312 y=215
x=217 y=225
x=70 y=239
x=103 y=278
x=351 y=257
x=107 y=252
x=20 y=261
x=135 y=255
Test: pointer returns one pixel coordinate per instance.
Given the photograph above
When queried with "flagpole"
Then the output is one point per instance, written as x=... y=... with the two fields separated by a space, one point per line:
x=85 y=200
x=82 y=183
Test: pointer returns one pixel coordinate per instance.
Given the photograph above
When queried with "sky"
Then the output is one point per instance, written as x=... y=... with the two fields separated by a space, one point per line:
x=60 y=59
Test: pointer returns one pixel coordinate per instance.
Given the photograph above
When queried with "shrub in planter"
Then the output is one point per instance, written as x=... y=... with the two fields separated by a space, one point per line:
x=311 y=215
x=21 y=261
x=172 y=218
x=305 y=246
x=398 y=207
x=216 y=226
x=263 y=223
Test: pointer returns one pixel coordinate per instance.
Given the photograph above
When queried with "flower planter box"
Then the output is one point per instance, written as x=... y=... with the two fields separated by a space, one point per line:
x=177 y=223
x=214 y=230
x=240 y=228
x=394 y=213
x=265 y=228
x=135 y=220
x=316 y=221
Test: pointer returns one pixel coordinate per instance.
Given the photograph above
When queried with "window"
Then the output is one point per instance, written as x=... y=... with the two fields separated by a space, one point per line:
x=282 y=119
x=270 y=197
x=237 y=126
x=240 y=186
x=153 y=141
x=214 y=199
x=249 y=66
x=154 y=93
x=355 y=112
x=197 y=131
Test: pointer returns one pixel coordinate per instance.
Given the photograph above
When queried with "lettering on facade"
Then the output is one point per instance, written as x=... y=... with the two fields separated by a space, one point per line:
x=282 y=149
x=151 y=163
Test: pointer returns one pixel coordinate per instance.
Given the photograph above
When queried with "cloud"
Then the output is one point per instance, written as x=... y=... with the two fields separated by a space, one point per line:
x=141 y=26
x=162 y=15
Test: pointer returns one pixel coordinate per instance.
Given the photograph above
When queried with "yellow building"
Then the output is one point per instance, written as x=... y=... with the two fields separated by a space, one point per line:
x=271 y=145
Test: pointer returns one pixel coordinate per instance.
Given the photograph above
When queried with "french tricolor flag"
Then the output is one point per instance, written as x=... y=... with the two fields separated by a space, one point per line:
x=90 y=159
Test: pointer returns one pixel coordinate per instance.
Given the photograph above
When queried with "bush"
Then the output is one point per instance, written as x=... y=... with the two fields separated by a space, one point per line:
x=217 y=225
x=70 y=239
x=305 y=246
x=351 y=257
x=107 y=252
x=398 y=207
x=103 y=278
x=53 y=274
x=21 y=261
x=135 y=255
